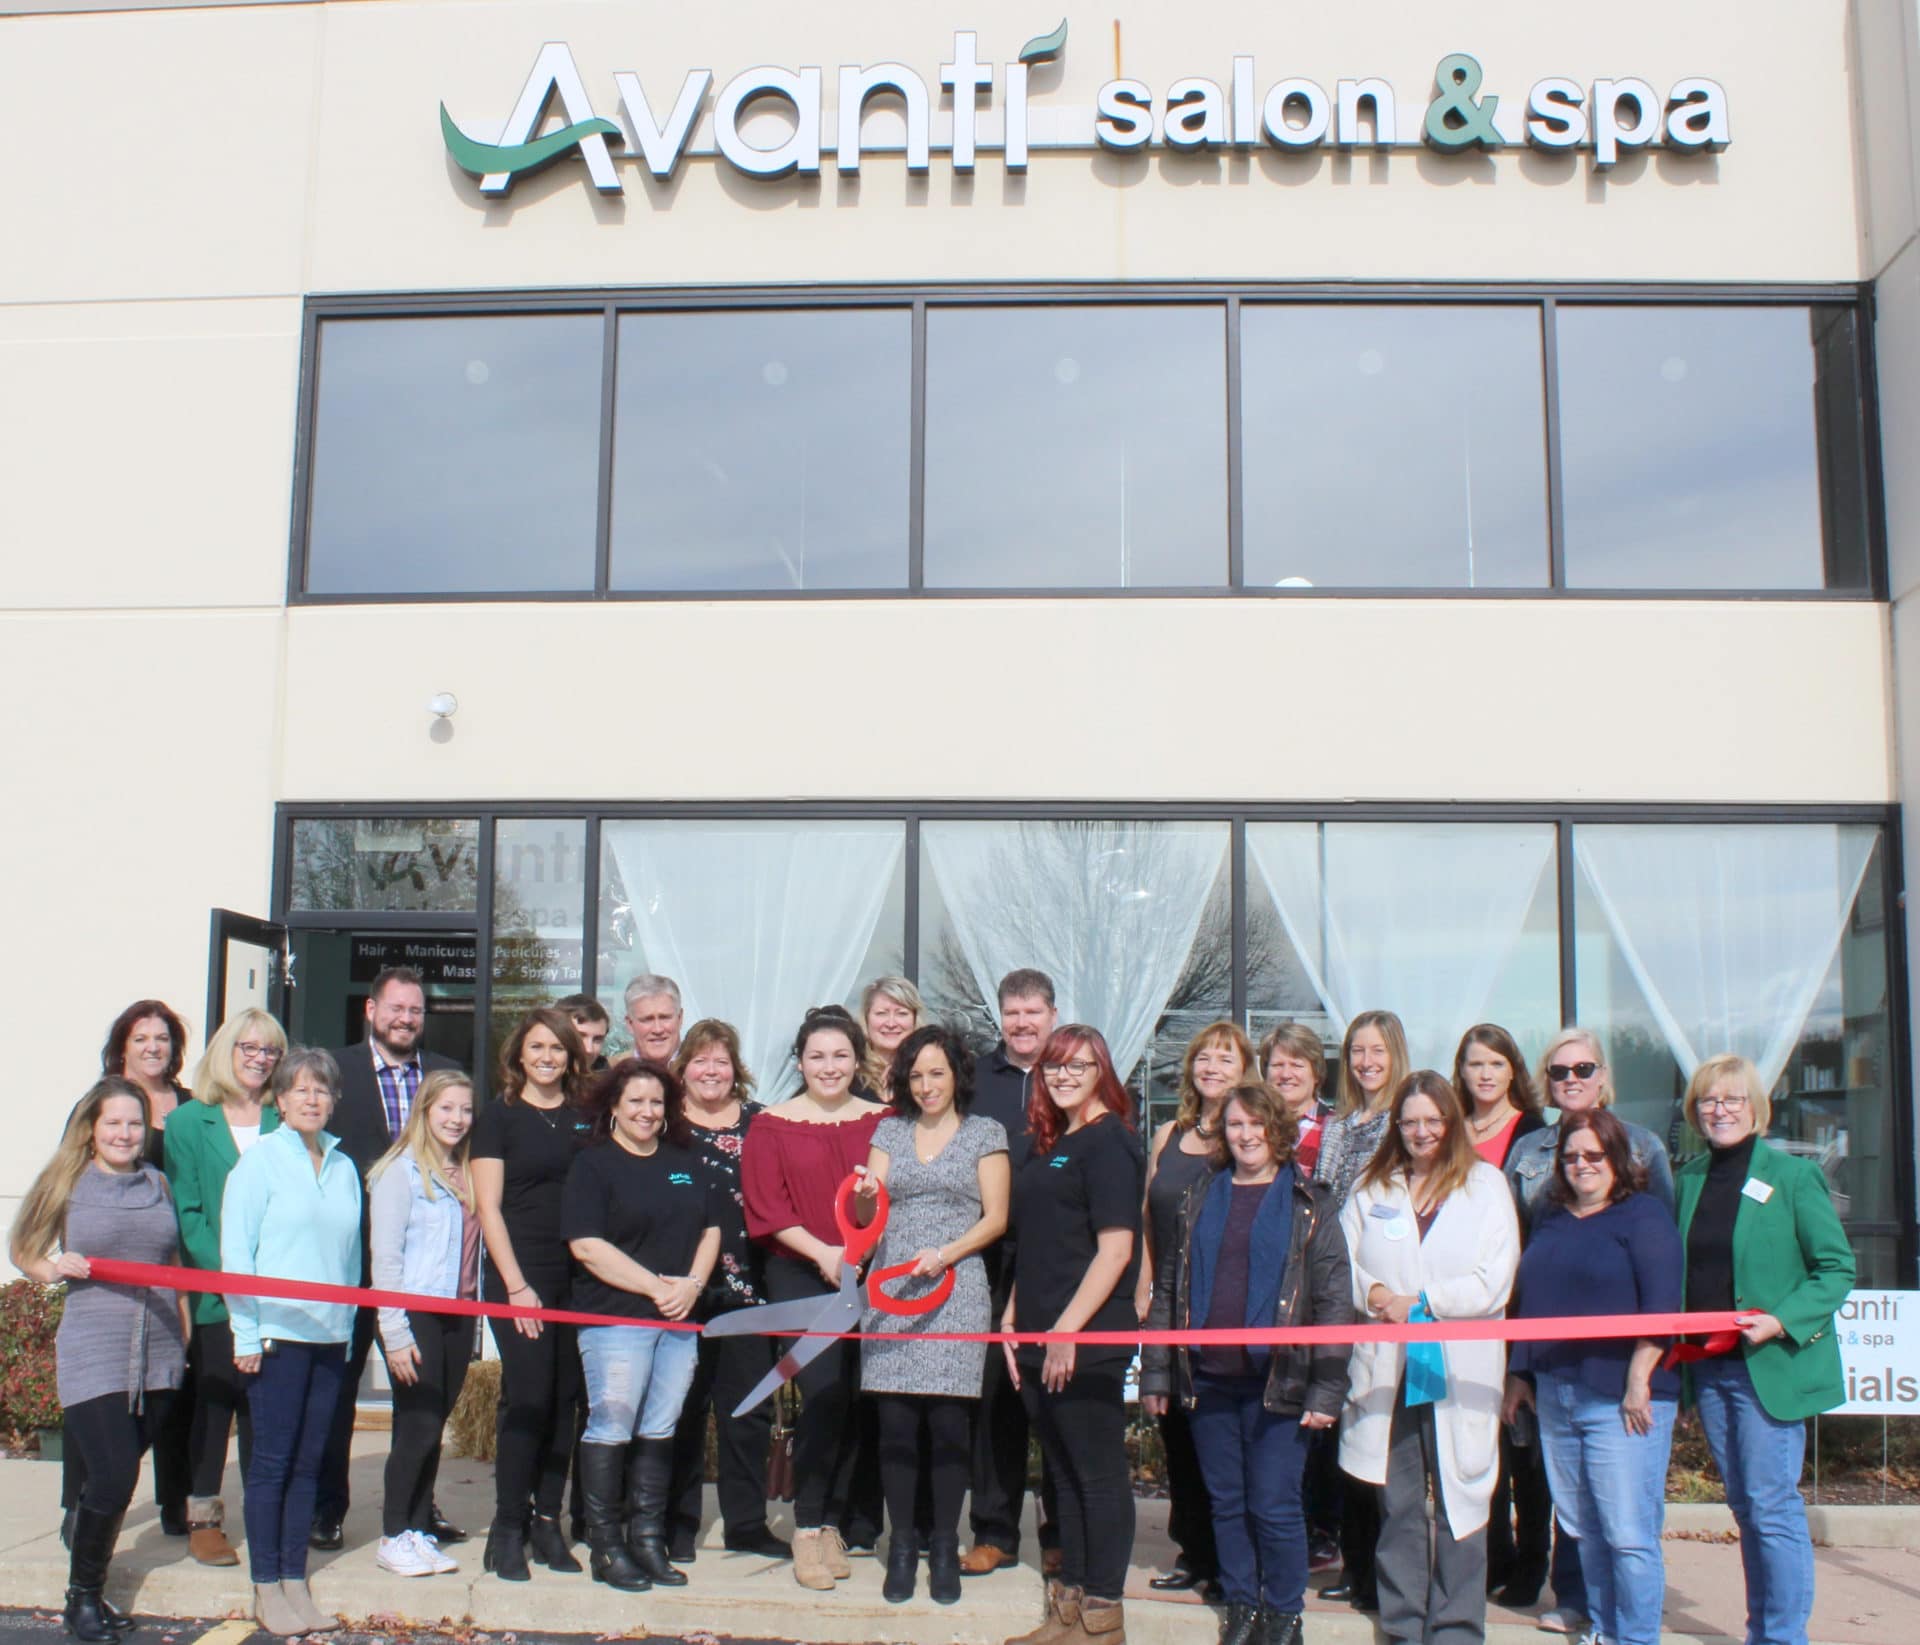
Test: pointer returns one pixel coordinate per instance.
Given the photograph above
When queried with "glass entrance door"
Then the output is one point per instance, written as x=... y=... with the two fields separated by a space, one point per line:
x=335 y=967
x=246 y=966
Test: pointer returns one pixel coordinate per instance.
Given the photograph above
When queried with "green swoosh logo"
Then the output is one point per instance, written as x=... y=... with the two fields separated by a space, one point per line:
x=488 y=159
x=1043 y=48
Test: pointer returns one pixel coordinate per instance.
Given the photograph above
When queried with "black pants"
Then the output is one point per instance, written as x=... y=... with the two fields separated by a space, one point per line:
x=1320 y=1490
x=826 y=1438
x=1189 y=1515
x=926 y=1454
x=1359 y=1535
x=1083 y=1436
x=336 y=1494
x=1000 y=1462
x=420 y=1411
x=109 y=1439
x=172 y=1456
x=540 y=1392
x=726 y=1373
x=1520 y=1524
x=219 y=1405
x=861 y=1521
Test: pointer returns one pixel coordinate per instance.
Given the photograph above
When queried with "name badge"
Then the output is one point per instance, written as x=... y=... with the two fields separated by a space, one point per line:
x=1757 y=1191
x=1393 y=1225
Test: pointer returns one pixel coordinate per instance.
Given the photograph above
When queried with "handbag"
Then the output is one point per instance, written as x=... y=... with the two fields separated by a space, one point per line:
x=780 y=1446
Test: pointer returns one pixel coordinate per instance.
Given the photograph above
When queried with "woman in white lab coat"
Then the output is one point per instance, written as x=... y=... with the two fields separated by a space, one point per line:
x=1433 y=1235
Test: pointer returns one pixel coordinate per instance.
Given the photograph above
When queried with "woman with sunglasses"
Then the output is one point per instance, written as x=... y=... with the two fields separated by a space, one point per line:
x=1601 y=1245
x=1761 y=1235
x=1076 y=1220
x=205 y=1141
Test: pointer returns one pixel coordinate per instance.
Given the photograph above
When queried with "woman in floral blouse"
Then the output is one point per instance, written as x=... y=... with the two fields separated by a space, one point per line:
x=718 y=1107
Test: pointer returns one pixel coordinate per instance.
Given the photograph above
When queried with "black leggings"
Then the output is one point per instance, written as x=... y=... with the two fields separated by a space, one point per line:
x=826 y=1438
x=728 y=1369
x=420 y=1411
x=172 y=1456
x=947 y=1426
x=110 y=1438
x=219 y=1404
x=1083 y=1436
x=540 y=1387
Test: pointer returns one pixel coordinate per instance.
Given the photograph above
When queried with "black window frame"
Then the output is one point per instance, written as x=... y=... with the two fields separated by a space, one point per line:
x=611 y=304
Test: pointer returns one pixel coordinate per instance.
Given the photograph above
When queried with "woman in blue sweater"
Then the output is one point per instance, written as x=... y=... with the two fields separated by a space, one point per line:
x=1604 y=1245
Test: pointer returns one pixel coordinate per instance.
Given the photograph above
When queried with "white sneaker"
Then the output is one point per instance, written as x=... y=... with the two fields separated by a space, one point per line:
x=403 y=1556
x=429 y=1550
x=1562 y=1620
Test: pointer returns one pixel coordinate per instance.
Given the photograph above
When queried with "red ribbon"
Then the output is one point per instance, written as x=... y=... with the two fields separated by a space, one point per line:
x=1569 y=1328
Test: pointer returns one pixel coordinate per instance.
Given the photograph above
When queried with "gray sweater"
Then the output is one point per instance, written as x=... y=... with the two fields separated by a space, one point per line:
x=119 y=1339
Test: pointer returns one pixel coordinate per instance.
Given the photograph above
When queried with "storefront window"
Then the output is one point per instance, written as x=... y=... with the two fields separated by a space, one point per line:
x=455 y=455
x=404 y=865
x=1763 y=939
x=1076 y=446
x=787 y=469
x=1698 y=445
x=756 y=921
x=539 y=894
x=1393 y=445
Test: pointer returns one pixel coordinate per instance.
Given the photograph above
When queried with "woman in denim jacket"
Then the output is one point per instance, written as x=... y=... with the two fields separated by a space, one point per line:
x=426 y=1239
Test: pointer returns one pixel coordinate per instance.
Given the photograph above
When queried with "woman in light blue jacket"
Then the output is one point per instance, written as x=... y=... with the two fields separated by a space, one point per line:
x=291 y=1210
x=426 y=1239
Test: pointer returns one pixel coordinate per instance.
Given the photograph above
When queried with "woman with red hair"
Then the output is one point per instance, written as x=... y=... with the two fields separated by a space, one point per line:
x=1076 y=1219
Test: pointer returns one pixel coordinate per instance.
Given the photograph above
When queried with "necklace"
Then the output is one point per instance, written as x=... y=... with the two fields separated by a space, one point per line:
x=1485 y=1127
x=547 y=1115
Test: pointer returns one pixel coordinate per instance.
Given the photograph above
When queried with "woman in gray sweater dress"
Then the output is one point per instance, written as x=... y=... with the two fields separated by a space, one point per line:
x=121 y=1349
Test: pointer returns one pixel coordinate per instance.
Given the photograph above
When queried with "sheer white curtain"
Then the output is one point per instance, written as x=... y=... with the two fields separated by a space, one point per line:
x=1106 y=909
x=1416 y=918
x=1729 y=929
x=756 y=921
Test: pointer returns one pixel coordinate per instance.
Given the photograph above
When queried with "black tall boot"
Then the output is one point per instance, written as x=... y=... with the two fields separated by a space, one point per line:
x=603 y=1471
x=85 y=1616
x=649 y=1479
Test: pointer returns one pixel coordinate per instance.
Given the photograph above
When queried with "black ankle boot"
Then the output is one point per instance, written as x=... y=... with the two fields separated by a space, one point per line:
x=903 y=1560
x=1277 y=1627
x=603 y=1490
x=1238 y=1626
x=649 y=1477
x=943 y=1567
x=506 y=1551
x=548 y=1546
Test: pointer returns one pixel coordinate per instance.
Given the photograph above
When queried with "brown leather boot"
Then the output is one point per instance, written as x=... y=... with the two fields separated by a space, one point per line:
x=1103 y=1621
x=1062 y=1620
x=206 y=1540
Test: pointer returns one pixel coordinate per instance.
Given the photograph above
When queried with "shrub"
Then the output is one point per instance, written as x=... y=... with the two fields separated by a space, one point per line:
x=29 y=1388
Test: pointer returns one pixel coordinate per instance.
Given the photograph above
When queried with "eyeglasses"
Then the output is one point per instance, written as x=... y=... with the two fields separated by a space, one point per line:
x=1583 y=1156
x=1723 y=1105
x=1561 y=1072
x=1423 y=1124
x=249 y=1052
x=1078 y=1069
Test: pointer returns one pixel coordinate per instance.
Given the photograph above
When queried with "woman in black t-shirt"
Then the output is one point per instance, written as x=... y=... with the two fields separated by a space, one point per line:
x=643 y=1222
x=523 y=1146
x=1076 y=1219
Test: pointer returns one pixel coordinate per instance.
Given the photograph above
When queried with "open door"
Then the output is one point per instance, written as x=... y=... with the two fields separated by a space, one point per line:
x=246 y=966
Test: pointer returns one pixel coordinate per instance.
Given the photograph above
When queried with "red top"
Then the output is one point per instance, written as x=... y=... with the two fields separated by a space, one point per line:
x=1312 y=1126
x=791 y=1169
x=1494 y=1149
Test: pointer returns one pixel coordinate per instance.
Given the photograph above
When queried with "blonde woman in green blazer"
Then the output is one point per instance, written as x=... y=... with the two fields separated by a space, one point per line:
x=205 y=1139
x=1762 y=1239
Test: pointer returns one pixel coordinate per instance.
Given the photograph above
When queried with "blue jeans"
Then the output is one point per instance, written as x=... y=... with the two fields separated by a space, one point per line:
x=1610 y=1491
x=292 y=1400
x=1760 y=1459
x=637 y=1380
x=1253 y=1462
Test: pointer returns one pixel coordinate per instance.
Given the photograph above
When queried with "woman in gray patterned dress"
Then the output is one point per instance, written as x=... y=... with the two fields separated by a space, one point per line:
x=948 y=1181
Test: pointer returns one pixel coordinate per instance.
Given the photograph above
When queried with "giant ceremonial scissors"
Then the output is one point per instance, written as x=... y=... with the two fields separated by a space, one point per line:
x=824 y=1319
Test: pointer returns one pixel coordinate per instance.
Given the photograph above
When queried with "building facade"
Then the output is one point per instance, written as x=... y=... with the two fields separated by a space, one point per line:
x=1259 y=515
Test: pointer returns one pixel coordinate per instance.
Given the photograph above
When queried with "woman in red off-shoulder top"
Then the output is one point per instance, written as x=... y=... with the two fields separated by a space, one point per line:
x=796 y=1157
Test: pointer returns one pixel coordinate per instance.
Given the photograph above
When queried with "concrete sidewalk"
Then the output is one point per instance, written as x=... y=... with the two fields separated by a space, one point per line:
x=1866 y=1594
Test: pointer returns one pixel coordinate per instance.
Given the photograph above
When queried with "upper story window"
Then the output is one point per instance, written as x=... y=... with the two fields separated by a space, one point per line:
x=1193 y=440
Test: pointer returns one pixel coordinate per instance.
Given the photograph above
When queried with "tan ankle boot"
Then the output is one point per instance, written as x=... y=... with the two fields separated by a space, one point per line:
x=809 y=1565
x=300 y=1598
x=1102 y=1620
x=1062 y=1617
x=272 y=1612
x=833 y=1553
x=206 y=1540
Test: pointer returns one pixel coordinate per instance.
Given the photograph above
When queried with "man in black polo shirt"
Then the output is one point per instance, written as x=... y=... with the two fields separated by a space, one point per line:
x=1027 y=1018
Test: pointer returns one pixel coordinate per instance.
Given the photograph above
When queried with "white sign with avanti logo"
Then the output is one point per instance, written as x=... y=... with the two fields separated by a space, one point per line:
x=994 y=111
x=1879 y=1334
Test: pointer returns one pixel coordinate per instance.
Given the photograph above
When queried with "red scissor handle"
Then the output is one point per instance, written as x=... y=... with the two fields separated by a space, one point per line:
x=858 y=1243
x=884 y=1303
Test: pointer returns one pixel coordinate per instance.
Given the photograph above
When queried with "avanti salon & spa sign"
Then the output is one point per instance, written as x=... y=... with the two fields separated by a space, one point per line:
x=771 y=122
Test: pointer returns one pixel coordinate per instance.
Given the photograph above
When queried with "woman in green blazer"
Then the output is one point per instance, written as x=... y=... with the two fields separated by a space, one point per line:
x=1763 y=1240
x=205 y=1139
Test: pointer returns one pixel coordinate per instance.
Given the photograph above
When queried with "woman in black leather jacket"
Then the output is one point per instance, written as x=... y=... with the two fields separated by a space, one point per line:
x=1258 y=1245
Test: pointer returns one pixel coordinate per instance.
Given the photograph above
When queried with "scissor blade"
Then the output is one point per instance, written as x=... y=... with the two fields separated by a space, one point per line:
x=803 y=1353
x=833 y=1314
x=771 y=1319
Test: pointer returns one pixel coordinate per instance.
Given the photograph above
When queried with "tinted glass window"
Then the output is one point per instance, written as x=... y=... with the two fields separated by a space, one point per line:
x=1393 y=445
x=1691 y=448
x=455 y=455
x=1076 y=447
x=762 y=450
